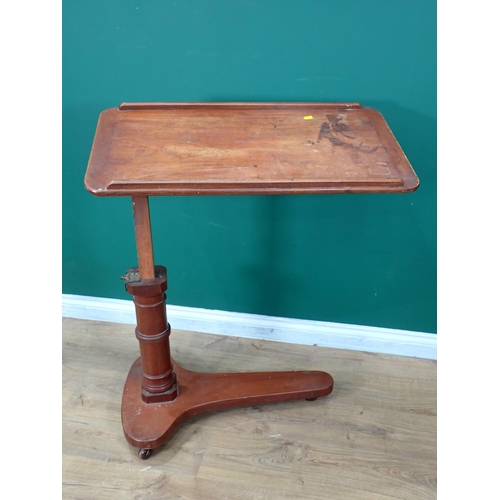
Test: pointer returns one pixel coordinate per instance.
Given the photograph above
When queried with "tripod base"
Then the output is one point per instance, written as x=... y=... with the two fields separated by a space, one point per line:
x=149 y=425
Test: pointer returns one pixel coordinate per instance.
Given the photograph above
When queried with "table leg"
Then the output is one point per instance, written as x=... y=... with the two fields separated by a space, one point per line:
x=153 y=330
x=159 y=394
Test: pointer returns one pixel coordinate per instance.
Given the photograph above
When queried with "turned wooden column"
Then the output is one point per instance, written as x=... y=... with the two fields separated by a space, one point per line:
x=148 y=284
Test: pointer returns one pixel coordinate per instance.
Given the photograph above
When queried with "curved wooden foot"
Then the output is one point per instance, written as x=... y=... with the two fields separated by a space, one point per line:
x=149 y=425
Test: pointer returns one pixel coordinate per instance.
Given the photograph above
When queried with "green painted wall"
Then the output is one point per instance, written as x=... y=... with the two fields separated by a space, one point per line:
x=358 y=259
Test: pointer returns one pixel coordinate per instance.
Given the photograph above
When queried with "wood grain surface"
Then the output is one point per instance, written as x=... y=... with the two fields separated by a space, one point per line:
x=245 y=148
x=373 y=437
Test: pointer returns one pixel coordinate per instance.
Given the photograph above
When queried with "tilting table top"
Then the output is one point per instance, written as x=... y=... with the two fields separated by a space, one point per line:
x=245 y=148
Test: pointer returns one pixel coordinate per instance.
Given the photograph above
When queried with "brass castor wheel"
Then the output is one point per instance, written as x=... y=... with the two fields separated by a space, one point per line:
x=311 y=399
x=145 y=453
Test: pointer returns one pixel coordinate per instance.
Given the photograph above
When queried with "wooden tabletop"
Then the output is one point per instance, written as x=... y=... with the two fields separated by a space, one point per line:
x=245 y=148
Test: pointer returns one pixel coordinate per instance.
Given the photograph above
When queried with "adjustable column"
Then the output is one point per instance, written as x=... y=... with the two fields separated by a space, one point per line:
x=148 y=283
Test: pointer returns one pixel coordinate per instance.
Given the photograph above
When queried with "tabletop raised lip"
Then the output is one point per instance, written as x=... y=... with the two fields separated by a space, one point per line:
x=211 y=149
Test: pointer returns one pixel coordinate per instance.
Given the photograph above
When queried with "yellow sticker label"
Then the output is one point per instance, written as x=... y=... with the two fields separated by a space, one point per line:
x=308 y=117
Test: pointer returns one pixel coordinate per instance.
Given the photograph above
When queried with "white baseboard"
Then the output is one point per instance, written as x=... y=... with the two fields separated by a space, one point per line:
x=295 y=331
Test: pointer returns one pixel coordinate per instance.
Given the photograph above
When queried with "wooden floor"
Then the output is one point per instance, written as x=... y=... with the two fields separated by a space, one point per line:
x=374 y=437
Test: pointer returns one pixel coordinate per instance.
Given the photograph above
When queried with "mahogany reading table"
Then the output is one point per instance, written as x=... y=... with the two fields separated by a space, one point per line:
x=164 y=149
